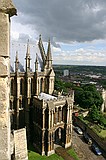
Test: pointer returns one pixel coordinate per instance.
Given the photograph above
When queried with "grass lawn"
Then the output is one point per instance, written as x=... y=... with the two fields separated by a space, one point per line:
x=32 y=155
x=102 y=134
x=35 y=156
x=96 y=128
x=73 y=154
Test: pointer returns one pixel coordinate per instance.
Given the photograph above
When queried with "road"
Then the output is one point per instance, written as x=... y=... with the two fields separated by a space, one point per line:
x=83 y=150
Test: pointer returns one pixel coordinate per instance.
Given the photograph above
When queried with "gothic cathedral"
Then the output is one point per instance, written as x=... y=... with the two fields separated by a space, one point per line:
x=46 y=115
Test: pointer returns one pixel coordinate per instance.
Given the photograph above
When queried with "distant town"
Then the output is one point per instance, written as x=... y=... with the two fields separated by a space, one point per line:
x=82 y=74
x=89 y=112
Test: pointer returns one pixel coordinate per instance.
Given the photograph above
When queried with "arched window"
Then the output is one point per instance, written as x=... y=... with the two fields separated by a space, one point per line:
x=32 y=86
x=12 y=87
x=41 y=84
x=22 y=87
x=59 y=114
x=12 y=121
x=64 y=113
x=20 y=104
x=11 y=105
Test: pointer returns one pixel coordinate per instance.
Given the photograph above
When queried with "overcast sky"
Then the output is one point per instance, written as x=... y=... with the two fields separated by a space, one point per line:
x=77 y=29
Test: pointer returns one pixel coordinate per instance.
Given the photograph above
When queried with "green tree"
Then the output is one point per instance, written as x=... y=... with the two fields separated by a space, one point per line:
x=88 y=96
x=102 y=120
x=94 y=114
x=60 y=85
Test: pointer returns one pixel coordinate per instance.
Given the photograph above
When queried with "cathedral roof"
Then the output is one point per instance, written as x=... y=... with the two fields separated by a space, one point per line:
x=11 y=69
x=51 y=73
x=22 y=48
x=21 y=68
x=46 y=96
x=40 y=63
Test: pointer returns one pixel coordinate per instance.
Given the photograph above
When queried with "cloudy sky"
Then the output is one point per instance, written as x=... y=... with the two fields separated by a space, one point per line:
x=77 y=29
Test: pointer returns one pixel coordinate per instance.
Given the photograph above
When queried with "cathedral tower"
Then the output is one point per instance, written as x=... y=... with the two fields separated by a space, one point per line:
x=17 y=91
x=49 y=56
x=50 y=75
x=48 y=118
x=27 y=88
x=42 y=51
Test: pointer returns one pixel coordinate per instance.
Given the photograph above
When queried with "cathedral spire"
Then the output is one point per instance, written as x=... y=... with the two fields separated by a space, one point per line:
x=28 y=58
x=49 y=56
x=42 y=51
x=28 y=49
x=36 y=63
x=16 y=62
x=40 y=39
x=16 y=55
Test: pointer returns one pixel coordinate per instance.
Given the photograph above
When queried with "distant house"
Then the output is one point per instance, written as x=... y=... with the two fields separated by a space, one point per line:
x=66 y=72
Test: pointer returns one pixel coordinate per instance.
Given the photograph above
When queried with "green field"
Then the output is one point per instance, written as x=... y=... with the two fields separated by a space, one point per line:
x=73 y=154
x=103 y=134
x=32 y=155
x=35 y=156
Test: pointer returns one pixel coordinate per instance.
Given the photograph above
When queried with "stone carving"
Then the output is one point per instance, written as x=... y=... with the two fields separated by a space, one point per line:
x=20 y=144
x=6 y=6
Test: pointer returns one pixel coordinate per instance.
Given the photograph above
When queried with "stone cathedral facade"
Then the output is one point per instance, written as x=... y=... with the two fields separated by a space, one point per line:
x=34 y=104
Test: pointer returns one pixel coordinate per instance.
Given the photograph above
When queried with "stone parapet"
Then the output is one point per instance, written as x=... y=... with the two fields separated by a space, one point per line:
x=4 y=34
x=6 y=10
x=4 y=88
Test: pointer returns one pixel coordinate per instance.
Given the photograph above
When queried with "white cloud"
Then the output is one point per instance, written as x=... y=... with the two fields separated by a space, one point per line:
x=81 y=56
x=76 y=28
x=14 y=35
x=67 y=21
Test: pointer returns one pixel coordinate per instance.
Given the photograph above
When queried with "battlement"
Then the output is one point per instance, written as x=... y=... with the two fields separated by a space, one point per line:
x=53 y=102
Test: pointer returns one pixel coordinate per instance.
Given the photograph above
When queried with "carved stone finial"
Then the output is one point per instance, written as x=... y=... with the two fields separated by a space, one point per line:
x=16 y=55
x=36 y=58
x=40 y=36
x=6 y=6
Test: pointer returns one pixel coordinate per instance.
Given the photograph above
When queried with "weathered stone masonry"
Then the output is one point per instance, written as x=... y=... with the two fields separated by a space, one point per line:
x=6 y=11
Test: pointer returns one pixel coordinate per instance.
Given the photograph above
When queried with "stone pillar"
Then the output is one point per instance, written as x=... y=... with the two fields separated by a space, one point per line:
x=68 y=115
x=56 y=115
x=17 y=102
x=27 y=104
x=43 y=85
x=71 y=123
x=49 y=120
x=43 y=142
x=43 y=113
x=60 y=114
x=29 y=87
x=6 y=11
x=38 y=83
x=68 y=140
x=52 y=118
